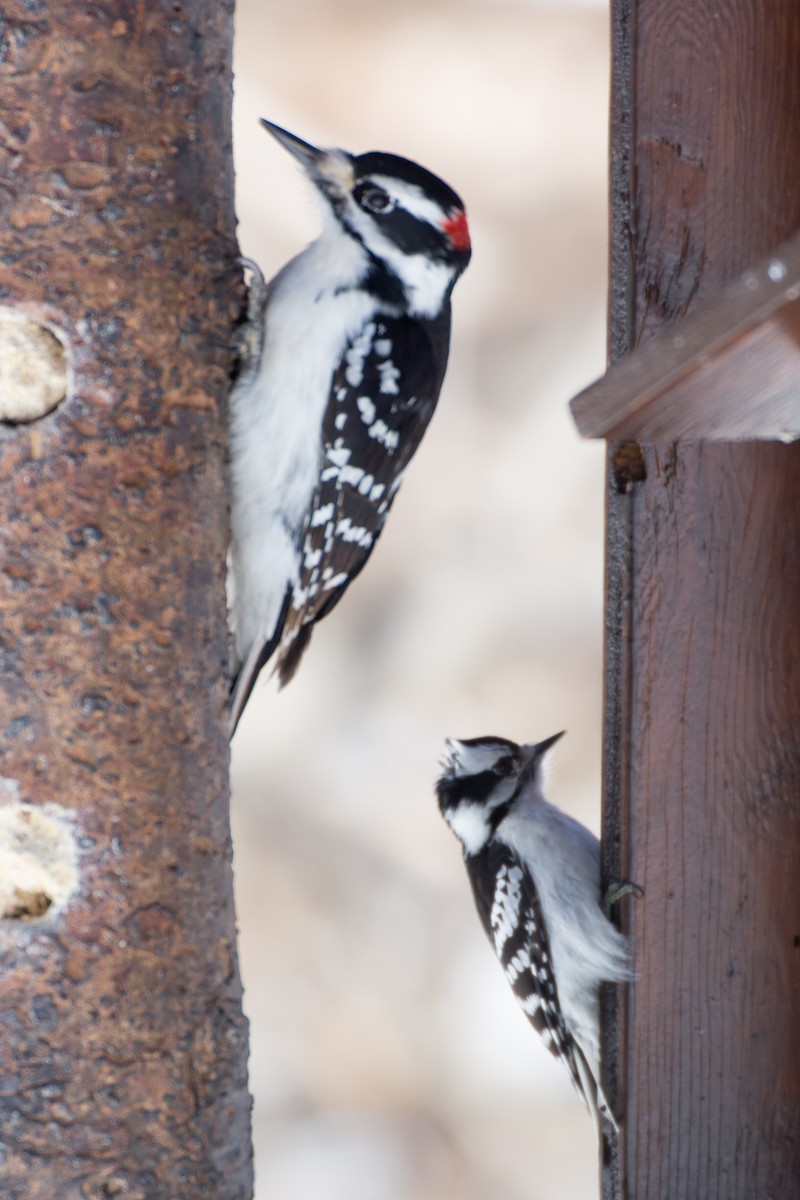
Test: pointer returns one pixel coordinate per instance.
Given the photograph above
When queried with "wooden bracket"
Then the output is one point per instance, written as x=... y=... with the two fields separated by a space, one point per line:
x=730 y=371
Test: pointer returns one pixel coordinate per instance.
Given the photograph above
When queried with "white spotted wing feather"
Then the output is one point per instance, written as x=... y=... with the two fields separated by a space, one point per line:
x=512 y=917
x=373 y=424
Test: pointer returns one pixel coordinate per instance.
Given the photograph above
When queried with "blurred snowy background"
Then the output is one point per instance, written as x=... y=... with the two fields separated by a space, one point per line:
x=389 y=1059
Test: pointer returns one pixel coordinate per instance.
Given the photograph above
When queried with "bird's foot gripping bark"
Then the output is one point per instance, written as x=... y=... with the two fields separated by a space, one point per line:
x=617 y=891
x=250 y=334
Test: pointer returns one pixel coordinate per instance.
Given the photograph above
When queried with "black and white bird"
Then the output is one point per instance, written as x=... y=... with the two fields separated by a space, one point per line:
x=353 y=352
x=535 y=875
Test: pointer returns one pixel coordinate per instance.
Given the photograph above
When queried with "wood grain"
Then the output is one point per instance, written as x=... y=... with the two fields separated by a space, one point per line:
x=703 y=641
x=714 y=1058
x=717 y=98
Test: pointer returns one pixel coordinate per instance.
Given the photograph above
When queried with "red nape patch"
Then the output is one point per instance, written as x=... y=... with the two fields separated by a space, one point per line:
x=457 y=229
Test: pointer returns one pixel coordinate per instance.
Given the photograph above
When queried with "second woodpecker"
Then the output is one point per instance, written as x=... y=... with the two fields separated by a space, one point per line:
x=352 y=356
x=535 y=875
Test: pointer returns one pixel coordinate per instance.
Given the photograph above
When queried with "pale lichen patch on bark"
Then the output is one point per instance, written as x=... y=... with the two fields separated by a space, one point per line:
x=38 y=859
x=33 y=368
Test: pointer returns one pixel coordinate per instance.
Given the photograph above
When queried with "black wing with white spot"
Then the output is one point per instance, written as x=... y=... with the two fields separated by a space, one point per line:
x=375 y=420
x=510 y=911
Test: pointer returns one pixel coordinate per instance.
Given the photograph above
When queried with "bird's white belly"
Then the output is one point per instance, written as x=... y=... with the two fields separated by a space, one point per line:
x=275 y=429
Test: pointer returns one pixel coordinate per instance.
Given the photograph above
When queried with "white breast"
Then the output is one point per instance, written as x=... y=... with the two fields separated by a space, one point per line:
x=276 y=421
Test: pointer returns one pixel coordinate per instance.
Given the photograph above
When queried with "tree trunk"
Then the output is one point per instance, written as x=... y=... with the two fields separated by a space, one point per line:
x=703 y=641
x=123 y=1055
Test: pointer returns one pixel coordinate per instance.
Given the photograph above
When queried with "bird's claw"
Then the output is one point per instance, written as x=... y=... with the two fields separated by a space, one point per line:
x=250 y=334
x=617 y=891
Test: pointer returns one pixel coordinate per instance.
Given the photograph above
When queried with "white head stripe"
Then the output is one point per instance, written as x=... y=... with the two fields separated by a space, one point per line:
x=412 y=198
x=472 y=760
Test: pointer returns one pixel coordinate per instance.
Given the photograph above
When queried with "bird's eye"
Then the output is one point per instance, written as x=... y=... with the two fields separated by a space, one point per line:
x=505 y=766
x=373 y=198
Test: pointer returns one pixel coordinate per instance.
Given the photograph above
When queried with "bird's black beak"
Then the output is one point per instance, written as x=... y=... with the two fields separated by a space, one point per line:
x=534 y=753
x=540 y=749
x=331 y=170
x=308 y=156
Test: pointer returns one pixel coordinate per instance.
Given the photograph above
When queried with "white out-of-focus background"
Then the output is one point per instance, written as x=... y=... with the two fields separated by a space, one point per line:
x=389 y=1059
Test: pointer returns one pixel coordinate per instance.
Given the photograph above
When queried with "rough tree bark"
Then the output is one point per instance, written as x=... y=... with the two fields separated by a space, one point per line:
x=703 y=642
x=123 y=1049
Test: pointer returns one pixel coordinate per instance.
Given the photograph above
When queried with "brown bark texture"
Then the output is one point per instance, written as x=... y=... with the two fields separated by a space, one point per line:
x=123 y=1048
x=703 y=641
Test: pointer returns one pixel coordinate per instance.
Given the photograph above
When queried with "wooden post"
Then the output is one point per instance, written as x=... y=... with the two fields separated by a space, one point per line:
x=123 y=1050
x=702 y=765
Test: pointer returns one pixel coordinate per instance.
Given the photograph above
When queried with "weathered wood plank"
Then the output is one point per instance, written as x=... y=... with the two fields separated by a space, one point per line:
x=703 y=641
x=728 y=371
